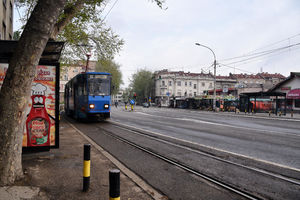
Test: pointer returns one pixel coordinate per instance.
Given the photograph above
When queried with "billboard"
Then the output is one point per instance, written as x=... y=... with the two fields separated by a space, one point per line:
x=40 y=127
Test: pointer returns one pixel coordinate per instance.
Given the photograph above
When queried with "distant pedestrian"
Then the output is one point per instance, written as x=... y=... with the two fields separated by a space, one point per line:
x=116 y=104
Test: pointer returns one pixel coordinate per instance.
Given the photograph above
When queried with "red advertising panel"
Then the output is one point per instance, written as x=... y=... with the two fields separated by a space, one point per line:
x=40 y=111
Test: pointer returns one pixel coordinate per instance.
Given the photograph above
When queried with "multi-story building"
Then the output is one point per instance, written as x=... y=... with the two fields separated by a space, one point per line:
x=6 y=19
x=256 y=83
x=180 y=85
x=118 y=97
x=193 y=85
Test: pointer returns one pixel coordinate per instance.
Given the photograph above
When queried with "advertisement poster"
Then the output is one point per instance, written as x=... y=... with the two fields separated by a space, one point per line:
x=39 y=129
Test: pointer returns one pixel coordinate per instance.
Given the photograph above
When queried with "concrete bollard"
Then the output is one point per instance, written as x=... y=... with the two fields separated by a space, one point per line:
x=86 y=167
x=114 y=184
x=292 y=114
x=269 y=113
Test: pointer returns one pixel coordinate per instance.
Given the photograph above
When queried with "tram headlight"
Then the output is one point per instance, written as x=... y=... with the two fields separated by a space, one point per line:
x=106 y=106
x=92 y=106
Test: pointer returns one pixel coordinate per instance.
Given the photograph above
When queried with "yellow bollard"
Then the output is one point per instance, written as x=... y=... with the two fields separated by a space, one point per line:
x=131 y=107
x=125 y=107
x=114 y=184
x=86 y=167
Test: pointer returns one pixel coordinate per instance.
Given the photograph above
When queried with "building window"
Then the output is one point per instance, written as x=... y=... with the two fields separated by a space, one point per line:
x=203 y=84
x=195 y=86
x=178 y=83
x=185 y=83
x=170 y=83
x=195 y=94
x=210 y=85
x=163 y=83
x=190 y=84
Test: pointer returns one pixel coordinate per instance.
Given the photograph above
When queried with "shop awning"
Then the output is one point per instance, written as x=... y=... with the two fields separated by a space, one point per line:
x=293 y=94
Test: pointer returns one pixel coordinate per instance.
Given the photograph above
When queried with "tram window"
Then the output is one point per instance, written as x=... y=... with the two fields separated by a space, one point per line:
x=98 y=87
x=80 y=90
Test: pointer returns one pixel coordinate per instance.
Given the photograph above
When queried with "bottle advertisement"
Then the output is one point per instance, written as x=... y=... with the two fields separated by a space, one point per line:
x=39 y=129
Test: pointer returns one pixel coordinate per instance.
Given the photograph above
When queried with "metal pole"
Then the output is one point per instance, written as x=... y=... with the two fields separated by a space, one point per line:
x=215 y=81
x=215 y=69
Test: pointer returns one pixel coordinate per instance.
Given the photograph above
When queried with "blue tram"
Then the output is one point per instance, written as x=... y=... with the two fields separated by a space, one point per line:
x=87 y=95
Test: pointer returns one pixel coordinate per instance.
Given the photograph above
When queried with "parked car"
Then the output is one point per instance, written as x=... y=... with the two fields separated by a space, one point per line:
x=146 y=105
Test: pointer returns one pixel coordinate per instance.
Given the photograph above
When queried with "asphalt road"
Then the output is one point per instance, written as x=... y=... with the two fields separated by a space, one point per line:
x=269 y=145
x=268 y=140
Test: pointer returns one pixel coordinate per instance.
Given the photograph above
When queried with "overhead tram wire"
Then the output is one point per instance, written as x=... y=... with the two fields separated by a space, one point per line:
x=272 y=44
x=110 y=10
x=250 y=53
x=263 y=57
x=263 y=53
x=220 y=64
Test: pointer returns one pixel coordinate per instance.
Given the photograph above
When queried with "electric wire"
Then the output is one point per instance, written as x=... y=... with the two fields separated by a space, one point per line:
x=260 y=54
x=250 y=53
x=110 y=10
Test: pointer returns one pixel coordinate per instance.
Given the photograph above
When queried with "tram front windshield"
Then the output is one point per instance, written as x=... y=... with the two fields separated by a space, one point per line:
x=99 y=85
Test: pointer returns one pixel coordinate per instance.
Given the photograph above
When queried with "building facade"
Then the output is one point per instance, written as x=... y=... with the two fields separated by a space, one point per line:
x=291 y=87
x=6 y=19
x=180 y=85
x=171 y=86
x=118 y=97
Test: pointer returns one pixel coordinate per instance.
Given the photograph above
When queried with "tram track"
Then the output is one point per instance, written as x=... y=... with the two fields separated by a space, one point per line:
x=242 y=192
x=185 y=167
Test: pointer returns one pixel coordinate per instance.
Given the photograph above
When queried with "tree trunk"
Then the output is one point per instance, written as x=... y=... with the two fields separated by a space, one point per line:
x=15 y=90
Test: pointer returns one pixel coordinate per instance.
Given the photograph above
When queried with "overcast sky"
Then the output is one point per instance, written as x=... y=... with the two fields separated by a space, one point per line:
x=158 y=39
x=165 y=39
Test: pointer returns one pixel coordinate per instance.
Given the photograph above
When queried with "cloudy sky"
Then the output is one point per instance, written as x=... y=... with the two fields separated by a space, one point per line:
x=165 y=39
x=258 y=32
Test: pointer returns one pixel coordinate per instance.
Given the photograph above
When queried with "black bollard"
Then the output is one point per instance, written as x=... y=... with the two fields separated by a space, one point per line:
x=86 y=167
x=114 y=184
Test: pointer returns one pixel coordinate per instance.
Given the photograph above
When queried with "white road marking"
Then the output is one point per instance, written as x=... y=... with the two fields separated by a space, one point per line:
x=213 y=148
x=218 y=124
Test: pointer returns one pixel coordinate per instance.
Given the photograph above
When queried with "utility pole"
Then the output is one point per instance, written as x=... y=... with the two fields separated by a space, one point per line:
x=215 y=69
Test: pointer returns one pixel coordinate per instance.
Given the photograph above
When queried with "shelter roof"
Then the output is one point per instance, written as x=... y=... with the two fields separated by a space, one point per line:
x=259 y=94
x=50 y=54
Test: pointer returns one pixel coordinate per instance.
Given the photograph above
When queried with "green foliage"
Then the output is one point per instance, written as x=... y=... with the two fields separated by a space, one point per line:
x=142 y=84
x=84 y=32
x=17 y=35
x=106 y=65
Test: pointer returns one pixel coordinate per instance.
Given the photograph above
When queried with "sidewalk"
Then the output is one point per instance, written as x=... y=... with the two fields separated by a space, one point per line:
x=58 y=174
x=295 y=116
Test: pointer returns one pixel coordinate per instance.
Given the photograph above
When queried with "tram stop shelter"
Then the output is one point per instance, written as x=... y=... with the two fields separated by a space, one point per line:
x=41 y=130
x=275 y=102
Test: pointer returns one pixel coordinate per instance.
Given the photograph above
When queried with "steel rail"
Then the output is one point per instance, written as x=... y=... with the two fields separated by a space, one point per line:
x=278 y=176
x=180 y=165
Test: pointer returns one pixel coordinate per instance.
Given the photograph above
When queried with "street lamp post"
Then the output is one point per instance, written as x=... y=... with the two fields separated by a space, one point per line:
x=215 y=65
